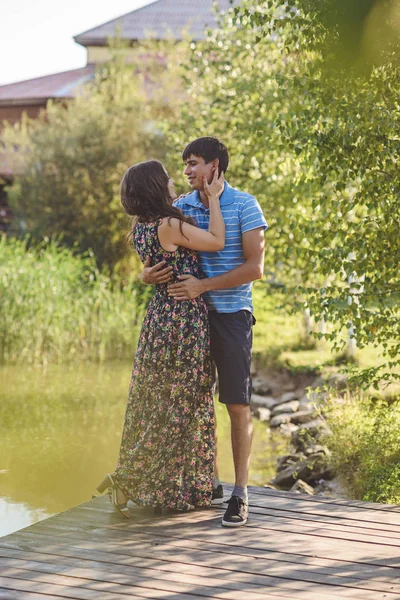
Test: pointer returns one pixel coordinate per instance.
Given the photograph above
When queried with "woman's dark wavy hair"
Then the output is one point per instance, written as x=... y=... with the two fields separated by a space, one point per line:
x=144 y=194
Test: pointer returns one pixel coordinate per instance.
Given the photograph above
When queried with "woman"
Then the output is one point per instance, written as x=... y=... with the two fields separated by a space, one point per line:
x=167 y=450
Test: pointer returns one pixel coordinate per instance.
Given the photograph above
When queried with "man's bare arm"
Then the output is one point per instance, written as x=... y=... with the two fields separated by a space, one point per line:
x=157 y=274
x=253 y=250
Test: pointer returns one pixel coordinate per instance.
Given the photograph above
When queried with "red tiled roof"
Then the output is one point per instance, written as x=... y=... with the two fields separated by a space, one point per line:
x=58 y=85
x=159 y=19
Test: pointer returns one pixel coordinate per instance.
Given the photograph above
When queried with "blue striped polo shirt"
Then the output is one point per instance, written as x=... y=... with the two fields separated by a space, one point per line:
x=241 y=213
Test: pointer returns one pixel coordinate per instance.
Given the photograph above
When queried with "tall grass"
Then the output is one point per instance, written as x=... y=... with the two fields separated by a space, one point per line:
x=57 y=306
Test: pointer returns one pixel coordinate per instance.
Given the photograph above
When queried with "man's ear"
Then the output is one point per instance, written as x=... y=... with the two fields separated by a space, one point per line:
x=215 y=164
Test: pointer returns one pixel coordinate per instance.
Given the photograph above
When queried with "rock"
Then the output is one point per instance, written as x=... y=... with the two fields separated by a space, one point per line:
x=301 y=487
x=338 y=381
x=289 y=396
x=315 y=426
x=269 y=486
x=330 y=489
x=288 y=429
x=312 y=469
x=308 y=434
x=304 y=400
x=317 y=449
x=280 y=420
x=300 y=417
x=286 y=460
x=261 y=385
x=263 y=414
x=314 y=398
x=319 y=382
x=307 y=406
x=303 y=416
x=285 y=479
x=265 y=401
x=288 y=386
x=287 y=407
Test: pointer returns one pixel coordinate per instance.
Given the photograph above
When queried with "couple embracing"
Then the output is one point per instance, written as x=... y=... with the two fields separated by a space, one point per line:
x=202 y=252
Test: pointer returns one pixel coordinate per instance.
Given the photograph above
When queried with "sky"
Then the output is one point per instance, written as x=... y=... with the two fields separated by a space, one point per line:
x=36 y=36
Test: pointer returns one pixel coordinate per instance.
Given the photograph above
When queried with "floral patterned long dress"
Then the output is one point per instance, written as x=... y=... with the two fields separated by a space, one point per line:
x=167 y=449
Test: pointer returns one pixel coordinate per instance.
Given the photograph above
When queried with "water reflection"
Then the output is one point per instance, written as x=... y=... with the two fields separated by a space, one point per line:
x=15 y=515
x=60 y=432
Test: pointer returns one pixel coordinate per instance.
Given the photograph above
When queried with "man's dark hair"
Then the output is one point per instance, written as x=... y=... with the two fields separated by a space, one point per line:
x=208 y=148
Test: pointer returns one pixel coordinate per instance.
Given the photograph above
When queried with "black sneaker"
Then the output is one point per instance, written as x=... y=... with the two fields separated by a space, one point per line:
x=217 y=496
x=236 y=514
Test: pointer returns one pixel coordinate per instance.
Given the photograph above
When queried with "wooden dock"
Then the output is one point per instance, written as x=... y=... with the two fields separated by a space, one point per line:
x=294 y=546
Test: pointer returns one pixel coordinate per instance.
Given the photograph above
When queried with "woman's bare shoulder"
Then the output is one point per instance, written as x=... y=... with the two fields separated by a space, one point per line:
x=170 y=222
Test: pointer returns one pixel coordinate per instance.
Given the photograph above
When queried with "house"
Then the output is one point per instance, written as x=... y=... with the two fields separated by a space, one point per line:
x=160 y=19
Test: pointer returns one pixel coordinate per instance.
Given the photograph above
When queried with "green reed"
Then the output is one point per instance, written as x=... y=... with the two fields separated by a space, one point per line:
x=57 y=306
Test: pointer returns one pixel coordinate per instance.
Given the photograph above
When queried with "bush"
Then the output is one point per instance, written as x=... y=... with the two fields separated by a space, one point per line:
x=365 y=445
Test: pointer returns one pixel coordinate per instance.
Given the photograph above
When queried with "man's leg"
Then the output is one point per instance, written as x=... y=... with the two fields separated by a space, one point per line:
x=231 y=341
x=241 y=436
x=218 y=491
x=216 y=473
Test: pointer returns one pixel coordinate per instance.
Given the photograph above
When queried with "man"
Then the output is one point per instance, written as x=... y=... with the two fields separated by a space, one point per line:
x=227 y=289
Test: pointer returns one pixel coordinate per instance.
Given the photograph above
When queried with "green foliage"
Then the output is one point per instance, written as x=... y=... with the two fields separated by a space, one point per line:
x=57 y=306
x=73 y=156
x=344 y=130
x=319 y=149
x=365 y=448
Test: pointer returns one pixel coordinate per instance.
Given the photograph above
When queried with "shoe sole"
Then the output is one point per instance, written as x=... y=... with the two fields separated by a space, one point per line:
x=217 y=501
x=230 y=524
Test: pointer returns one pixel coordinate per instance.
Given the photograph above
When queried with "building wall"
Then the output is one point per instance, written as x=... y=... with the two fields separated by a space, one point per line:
x=97 y=55
x=14 y=113
x=6 y=216
x=100 y=54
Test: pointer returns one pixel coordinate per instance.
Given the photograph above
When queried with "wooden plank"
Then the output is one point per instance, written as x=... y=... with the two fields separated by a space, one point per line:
x=198 y=553
x=18 y=595
x=298 y=543
x=293 y=547
x=241 y=564
x=156 y=589
x=75 y=587
x=303 y=503
x=197 y=583
x=390 y=508
x=299 y=505
x=301 y=544
x=277 y=526
x=45 y=589
x=287 y=525
x=347 y=527
x=180 y=564
x=90 y=519
x=347 y=524
x=201 y=587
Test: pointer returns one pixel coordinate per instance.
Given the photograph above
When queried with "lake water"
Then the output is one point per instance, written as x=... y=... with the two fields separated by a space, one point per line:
x=60 y=430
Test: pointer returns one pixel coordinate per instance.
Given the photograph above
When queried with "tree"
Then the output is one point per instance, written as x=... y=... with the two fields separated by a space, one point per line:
x=75 y=154
x=345 y=130
x=316 y=140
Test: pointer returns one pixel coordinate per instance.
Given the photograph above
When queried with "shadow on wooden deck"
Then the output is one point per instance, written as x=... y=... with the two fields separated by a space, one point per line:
x=293 y=546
